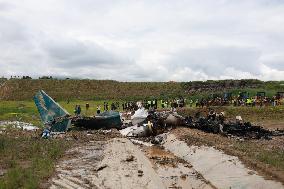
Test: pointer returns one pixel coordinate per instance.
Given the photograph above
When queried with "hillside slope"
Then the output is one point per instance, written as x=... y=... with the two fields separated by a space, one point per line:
x=86 y=89
x=24 y=89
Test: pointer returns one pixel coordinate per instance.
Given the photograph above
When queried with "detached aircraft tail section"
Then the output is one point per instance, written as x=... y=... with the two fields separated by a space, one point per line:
x=51 y=112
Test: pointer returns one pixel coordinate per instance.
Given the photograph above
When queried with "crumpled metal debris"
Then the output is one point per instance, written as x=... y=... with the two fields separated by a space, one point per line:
x=216 y=124
x=139 y=116
x=159 y=139
x=45 y=133
x=157 y=123
x=19 y=125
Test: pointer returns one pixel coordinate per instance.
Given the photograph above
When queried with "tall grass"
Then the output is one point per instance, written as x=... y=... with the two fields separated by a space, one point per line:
x=28 y=159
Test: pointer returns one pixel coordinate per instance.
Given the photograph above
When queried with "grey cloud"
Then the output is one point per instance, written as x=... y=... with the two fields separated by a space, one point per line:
x=71 y=53
x=275 y=62
x=12 y=31
x=5 y=6
x=143 y=40
x=279 y=65
x=214 y=60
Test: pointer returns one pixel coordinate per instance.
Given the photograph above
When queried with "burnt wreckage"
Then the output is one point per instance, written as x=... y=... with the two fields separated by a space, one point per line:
x=146 y=123
x=159 y=122
x=216 y=123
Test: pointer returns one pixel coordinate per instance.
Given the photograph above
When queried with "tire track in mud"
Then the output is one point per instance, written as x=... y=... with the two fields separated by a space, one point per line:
x=118 y=163
x=79 y=167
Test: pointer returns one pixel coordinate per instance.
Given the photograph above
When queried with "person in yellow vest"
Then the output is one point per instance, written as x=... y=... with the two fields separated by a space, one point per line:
x=248 y=102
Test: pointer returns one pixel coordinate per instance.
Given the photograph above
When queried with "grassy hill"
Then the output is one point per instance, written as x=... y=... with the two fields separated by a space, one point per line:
x=20 y=89
x=24 y=89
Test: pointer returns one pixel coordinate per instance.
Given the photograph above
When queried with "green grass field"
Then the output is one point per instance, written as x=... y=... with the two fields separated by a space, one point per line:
x=16 y=94
x=26 y=111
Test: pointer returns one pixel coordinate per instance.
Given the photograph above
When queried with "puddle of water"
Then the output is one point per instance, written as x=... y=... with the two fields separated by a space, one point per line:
x=222 y=170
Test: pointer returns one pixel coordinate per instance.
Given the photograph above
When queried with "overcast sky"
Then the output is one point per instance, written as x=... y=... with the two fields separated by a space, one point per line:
x=136 y=40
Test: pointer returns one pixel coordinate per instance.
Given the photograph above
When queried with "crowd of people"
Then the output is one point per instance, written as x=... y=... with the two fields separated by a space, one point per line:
x=180 y=102
x=238 y=101
x=132 y=105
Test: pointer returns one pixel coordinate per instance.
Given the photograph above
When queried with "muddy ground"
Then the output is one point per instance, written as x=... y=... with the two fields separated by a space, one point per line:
x=249 y=151
x=115 y=162
x=105 y=159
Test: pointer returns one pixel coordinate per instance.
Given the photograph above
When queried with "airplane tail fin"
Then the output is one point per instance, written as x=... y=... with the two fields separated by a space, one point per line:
x=51 y=112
